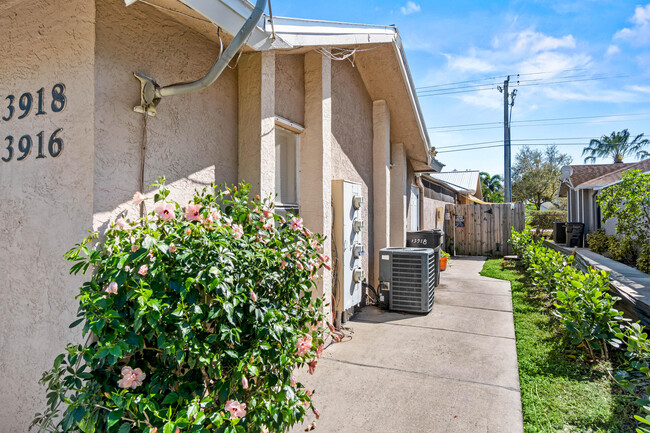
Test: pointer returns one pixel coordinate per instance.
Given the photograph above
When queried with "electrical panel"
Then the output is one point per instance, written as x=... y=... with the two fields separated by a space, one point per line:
x=347 y=246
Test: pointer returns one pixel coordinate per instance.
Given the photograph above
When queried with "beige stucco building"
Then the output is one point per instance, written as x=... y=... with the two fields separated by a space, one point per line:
x=303 y=104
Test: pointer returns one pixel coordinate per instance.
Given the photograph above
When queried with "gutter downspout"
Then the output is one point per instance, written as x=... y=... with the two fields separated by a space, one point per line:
x=151 y=93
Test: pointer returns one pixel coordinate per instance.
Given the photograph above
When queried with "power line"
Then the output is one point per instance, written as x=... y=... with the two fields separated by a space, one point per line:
x=605 y=116
x=513 y=144
x=500 y=76
x=526 y=83
x=501 y=141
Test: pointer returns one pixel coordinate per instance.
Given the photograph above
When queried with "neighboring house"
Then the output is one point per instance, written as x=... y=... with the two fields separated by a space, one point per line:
x=305 y=103
x=581 y=184
x=467 y=184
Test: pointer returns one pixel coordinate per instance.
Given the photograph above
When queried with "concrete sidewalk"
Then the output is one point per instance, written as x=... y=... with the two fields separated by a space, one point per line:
x=453 y=370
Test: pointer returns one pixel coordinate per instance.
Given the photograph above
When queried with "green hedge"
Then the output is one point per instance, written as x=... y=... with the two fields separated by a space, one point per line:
x=544 y=219
x=586 y=310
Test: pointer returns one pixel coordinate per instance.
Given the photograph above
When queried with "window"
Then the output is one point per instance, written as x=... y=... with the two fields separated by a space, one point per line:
x=287 y=148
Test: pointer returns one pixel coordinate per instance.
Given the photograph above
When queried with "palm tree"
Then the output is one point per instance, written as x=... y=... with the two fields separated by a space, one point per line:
x=492 y=188
x=616 y=146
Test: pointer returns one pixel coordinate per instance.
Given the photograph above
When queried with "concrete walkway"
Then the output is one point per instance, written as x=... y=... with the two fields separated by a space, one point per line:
x=453 y=370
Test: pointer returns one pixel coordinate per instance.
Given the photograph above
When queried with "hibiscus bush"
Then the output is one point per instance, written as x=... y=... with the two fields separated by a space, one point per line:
x=195 y=319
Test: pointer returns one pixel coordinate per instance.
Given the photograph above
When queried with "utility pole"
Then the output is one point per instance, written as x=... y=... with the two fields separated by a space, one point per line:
x=507 y=112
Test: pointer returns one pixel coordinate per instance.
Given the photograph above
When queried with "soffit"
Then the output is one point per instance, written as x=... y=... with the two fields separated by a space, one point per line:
x=380 y=69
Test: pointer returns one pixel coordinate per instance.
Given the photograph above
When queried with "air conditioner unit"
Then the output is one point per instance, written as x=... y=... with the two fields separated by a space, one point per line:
x=411 y=276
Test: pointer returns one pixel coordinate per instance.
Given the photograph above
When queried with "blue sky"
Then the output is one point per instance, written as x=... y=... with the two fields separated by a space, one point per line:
x=598 y=49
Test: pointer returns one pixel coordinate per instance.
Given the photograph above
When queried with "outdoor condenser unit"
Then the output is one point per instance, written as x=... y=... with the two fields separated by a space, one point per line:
x=411 y=276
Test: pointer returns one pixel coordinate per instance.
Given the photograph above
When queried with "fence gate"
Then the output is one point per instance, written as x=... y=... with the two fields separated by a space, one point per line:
x=482 y=229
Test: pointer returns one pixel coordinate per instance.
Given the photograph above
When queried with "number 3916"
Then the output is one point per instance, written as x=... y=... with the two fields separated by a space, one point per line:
x=22 y=147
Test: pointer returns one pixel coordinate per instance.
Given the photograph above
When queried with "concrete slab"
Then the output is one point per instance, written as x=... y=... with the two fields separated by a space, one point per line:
x=452 y=370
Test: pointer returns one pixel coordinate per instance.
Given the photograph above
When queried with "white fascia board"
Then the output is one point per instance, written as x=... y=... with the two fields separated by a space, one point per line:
x=307 y=33
x=415 y=103
x=231 y=15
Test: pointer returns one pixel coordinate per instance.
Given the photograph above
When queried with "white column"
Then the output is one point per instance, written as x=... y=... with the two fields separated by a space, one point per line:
x=256 y=133
x=316 y=159
x=399 y=189
x=381 y=180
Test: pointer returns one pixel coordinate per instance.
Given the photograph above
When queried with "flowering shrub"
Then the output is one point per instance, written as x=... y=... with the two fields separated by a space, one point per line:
x=195 y=320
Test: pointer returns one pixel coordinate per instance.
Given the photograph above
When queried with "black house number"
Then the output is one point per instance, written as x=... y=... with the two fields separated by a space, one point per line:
x=44 y=143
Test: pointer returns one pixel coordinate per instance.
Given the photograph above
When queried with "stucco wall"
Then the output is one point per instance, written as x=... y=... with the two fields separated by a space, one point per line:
x=193 y=139
x=290 y=87
x=352 y=141
x=46 y=202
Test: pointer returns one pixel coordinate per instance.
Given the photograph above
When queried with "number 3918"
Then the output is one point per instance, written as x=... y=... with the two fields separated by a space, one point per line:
x=26 y=101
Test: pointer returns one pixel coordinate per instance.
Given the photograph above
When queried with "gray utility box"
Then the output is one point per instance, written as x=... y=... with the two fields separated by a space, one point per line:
x=410 y=274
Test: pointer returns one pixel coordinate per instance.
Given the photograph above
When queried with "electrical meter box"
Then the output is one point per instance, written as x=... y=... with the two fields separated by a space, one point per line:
x=347 y=247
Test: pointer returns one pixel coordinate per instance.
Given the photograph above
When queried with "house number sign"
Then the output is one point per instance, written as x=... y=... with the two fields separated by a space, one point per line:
x=44 y=143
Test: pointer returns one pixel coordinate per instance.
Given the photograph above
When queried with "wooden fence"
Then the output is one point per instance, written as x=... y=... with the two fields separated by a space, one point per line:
x=482 y=230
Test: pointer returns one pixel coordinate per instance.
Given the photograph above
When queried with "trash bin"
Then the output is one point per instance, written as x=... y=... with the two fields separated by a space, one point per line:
x=427 y=239
x=424 y=238
x=559 y=233
x=574 y=234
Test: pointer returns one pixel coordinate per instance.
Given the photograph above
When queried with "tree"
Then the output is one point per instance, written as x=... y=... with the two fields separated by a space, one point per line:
x=616 y=146
x=492 y=187
x=629 y=202
x=535 y=175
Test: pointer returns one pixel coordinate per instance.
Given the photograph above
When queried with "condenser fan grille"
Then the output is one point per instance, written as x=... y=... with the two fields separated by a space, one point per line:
x=412 y=281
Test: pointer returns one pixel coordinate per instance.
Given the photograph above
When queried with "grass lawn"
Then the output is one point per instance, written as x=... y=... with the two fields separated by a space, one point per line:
x=560 y=390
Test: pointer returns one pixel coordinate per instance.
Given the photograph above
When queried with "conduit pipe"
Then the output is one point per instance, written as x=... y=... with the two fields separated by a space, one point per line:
x=152 y=93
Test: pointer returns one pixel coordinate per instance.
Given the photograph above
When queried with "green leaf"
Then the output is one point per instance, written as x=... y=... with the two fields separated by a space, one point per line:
x=125 y=428
x=78 y=413
x=170 y=398
x=114 y=417
x=76 y=322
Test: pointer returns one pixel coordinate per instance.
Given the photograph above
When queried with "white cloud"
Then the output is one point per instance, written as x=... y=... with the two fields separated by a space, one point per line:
x=639 y=33
x=530 y=41
x=612 y=50
x=469 y=64
x=410 y=8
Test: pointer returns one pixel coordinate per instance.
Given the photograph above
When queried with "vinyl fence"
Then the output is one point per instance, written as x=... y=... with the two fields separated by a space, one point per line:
x=481 y=230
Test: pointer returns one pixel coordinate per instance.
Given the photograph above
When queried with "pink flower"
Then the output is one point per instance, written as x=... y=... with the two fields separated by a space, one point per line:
x=308 y=392
x=216 y=215
x=303 y=345
x=253 y=296
x=317 y=413
x=134 y=248
x=138 y=198
x=143 y=270
x=319 y=351
x=307 y=232
x=292 y=380
x=236 y=409
x=188 y=231
x=324 y=258
x=284 y=264
x=237 y=231
x=131 y=378
x=172 y=248
x=296 y=223
x=300 y=266
x=327 y=266
x=112 y=288
x=244 y=382
x=267 y=213
x=121 y=223
x=312 y=366
x=192 y=212
x=268 y=224
x=165 y=211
